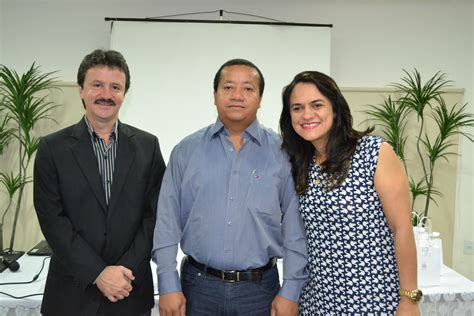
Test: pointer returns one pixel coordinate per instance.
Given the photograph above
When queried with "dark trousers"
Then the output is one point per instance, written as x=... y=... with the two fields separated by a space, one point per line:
x=144 y=314
x=208 y=295
x=101 y=312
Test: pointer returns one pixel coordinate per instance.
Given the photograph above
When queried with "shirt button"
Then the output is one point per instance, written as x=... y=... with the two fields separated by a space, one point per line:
x=229 y=223
x=232 y=198
x=105 y=157
x=231 y=149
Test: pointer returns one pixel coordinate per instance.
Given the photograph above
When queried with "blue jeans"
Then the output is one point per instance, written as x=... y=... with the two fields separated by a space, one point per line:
x=210 y=296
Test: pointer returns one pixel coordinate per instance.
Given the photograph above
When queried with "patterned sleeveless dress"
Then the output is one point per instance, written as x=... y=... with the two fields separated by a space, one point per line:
x=351 y=250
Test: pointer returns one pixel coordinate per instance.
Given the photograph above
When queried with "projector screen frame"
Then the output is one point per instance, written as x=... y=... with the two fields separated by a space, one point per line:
x=113 y=19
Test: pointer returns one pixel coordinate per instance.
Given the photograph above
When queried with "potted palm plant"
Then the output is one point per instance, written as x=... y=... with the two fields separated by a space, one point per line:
x=6 y=135
x=424 y=102
x=23 y=103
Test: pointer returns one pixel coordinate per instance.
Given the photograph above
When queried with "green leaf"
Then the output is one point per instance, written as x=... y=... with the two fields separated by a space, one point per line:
x=10 y=182
x=6 y=133
x=419 y=95
x=392 y=117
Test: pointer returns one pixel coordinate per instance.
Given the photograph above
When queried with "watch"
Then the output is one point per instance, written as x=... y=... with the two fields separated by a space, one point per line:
x=415 y=295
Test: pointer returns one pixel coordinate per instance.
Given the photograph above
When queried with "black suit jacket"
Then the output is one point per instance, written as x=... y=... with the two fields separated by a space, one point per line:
x=84 y=233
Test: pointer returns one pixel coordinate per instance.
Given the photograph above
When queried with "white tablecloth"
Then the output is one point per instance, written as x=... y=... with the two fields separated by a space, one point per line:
x=29 y=267
x=455 y=295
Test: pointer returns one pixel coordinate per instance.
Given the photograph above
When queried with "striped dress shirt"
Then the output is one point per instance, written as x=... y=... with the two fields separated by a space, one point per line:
x=105 y=154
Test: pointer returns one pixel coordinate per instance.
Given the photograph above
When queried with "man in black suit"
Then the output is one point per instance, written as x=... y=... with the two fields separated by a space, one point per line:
x=96 y=185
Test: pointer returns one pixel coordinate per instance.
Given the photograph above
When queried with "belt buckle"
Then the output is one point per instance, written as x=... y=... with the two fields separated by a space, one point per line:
x=224 y=273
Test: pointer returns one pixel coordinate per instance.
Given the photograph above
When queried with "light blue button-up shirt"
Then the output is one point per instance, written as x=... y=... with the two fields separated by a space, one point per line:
x=228 y=209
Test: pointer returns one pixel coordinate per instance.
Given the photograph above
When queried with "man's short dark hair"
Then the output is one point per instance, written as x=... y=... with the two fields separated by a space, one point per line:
x=99 y=57
x=240 y=62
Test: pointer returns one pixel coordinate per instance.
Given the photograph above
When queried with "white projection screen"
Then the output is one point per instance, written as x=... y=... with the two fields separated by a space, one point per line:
x=172 y=66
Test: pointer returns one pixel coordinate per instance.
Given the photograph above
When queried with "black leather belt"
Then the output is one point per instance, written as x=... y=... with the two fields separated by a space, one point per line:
x=233 y=275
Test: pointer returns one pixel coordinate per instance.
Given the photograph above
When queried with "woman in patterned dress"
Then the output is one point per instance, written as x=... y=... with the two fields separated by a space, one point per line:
x=355 y=204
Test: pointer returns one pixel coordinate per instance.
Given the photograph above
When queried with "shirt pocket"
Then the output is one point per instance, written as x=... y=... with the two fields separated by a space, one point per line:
x=263 y=197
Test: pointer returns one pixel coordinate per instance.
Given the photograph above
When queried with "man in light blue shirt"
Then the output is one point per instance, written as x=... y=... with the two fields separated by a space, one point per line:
x=228 y=199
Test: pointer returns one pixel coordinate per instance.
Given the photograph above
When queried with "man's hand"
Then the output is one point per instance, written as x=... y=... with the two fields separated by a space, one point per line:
x=283 y=307
x=172 y=304
x=115 y=282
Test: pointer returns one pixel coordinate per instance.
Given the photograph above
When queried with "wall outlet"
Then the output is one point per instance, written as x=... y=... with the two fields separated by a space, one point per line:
x=469 y=247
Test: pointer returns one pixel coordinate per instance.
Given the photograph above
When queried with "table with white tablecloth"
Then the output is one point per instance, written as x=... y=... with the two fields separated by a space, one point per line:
x=454 y=296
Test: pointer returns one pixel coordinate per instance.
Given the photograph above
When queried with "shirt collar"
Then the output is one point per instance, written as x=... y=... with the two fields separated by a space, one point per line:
x=90 y=129
x=254 y=131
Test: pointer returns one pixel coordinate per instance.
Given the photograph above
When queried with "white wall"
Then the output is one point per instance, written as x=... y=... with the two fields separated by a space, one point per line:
x=372 y=40
x=1 y=30
x=465 y=215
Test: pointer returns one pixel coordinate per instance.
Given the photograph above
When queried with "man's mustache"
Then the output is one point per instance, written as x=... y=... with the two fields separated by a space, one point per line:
x=105 y=101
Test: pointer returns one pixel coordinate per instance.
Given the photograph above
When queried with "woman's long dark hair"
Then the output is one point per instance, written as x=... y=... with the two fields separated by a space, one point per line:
x=342 y=140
